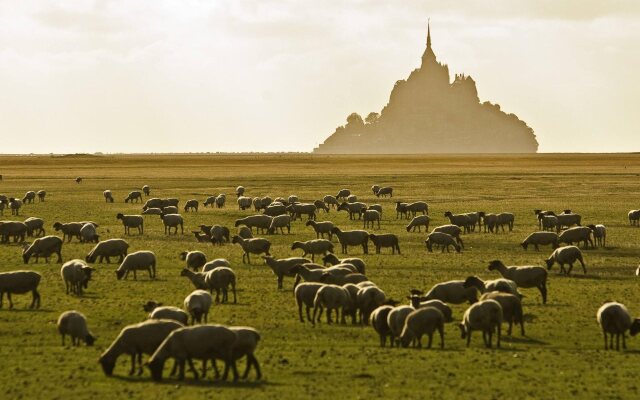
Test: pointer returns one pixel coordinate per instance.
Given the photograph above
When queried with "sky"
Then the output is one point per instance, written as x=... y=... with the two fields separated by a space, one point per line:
x=267 y=75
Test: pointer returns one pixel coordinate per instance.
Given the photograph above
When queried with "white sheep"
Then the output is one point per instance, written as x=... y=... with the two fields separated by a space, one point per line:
x=423 y=321
x=198 y=304
x=41 y=195
x=218 y=262
x=369 y=217
x=262 y=222
x=418 y=222
x=368 y=298
x=313 y=247
x=107 y=249
x=76 y=275
x=134 y=196
x=332 y=297
x=452 y=230
x=20 y=282
x=43 y=247
x=152 y=211
x=280 y=222
x=395 y=320
x=417 y=301
x=485 y=316
x=108 y=196
x=599 y=234
x=88 y=234
x=321 y=228
x=352 y=238
x=158 y=311
x=35 y=226
x=500 y=285
x=282 y=267
x=244 y=202
x=460 y=220
x=576 y=235
x=615 y=320
x=511 y=308
x=138 y=261
x=252 y=246
x=379 y=322
x=197 y=278
x=634 y=217
x=452 y=292
x=331 y=259
x=172 y=221
x=195 y=259
x=219 y=279
x=566 y=255
x=527 y=276
x=305 y=294
x=74 y=324
x=442 y=239
x=541 y=239
x=191 y=205
x=131 y=221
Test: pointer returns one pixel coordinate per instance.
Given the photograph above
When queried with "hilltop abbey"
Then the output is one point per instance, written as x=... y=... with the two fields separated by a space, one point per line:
x=427 y=113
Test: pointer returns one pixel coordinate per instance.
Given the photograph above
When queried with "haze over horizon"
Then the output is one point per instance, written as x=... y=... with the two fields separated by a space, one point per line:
x=228 y=76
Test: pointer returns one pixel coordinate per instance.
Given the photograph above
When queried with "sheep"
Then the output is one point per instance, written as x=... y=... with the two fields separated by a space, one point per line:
x=599 y=234
x=137 y=261
x=43 y=247
x=379 y=322
x=490 y=222
x=298 y=209
x=69 y=230
x=146 y=190
x=88 y=234
x=219 y=279
x=313 y=247
x=375 y=188
x=342 y=279
x=503 y=219
x=107 y=249
x=310 y=272
x=20 y=282
x=197 y=305
x=218 y=262
x=305 y=293
x=41 y=195
x=540 y=214
x=352 y=209
x=16 y=229
x=209 y=201
x=352 y=198
x=150 y=203
x=461 y=220
x=369 y=298
x=384 y=191
x=14 y=206
x=78 y=179
x=244 y=202
x=134 y=196
x=321 y=205
x=332 y=297
x=200 y=342
x=240 y=191
x=442 y=239
x=131 y=221
x=634 y=217
x=331 y=259
x=452 y=230
x=257 y=203
x=76 y=275
x=576 y=235
x=135 y=340
x=169 y=202
x=395 y=321
x=108 y=196
x=158 y=311
x=566 y=255
x=352 y=238
x=418 y=206
x=220 y=200
x=330 y=201
x=511 y=308
x=541 y=239
x=385 y=240
x=273 y=210
x=343 y=194
x=419 y=222
x=486 y=316
x=74 y=324
x=454 y=292
x=615 y=320
x=321 y=228
x=197 y=278
x=195 y=259
x=500 y=285
x=35 y=226
x=245 y=232
x=219 y=234
x=568 y=219
x=549 y=222
x=282 y=267
x=245 y=345
x=401 y=210
x=252 y=246
x=370 y=217
x=528 y=276
x=172 y=221
x=262 y=222
x=169 y=210
x=191 y=205
x=29 y=197
x=280 y=222
x=422 y=321
x=152 y=211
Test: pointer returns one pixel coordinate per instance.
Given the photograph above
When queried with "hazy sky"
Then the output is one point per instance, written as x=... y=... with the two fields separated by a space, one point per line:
x=267 y=75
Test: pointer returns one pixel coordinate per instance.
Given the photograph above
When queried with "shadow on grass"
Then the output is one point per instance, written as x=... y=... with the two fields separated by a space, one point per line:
x=523 y=339
x=245 y=384
x=25 y=309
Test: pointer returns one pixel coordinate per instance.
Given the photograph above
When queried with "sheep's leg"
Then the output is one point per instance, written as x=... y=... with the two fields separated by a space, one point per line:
x=510 y=326
x=328 y=315
x=468 y=338
x=543 y=292
x=63 y=340
x=133 y=364
x=10 y=301
x=484 y=338
x=441 y=332
x=624 y=341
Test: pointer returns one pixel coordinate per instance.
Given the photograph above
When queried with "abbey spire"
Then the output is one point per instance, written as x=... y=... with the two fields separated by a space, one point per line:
x=429 y=55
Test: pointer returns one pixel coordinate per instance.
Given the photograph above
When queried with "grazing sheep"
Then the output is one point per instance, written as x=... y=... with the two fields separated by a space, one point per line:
x=401 y=210
x=219 y=234
x=375 y=188
x=262 y=222
x=43 y=247
x=14 y=206
x=454 y=292
x=152 y=211
x=245 y=345
x=453 y=230
x=20 y=282
x=146 y=190
x=576 y=235
x=541 y=239
x=485 y=316
x=503 y=219
x=244 y=202
x=298 y=209
x=369 y=298
x=209 y=201
x=395 y=321
x=419 y=222
x=352 y=238
x=219 y=279
x=615 y=320
x=385 y=240
x=331 y=201
x=16 y=229
x=74 y=324
x=69 y=230
x=172 y=221
x=195 y=259
x=283 y=267
x=568 y=219
x=41 y=195
x=321 y=205
x=35 y=226
x=280 y=222
x=107 y=249
x=416 y=207
x=169 y=210
x=197 y=305
x=342 y=279
x=273 y=210
x=218 y=262
x=332 y=297
x=540 y=214
x=220 y=200
x=313 y=247
x=343 y=194
x=131 y=221
x=321 y=228
x=352 y=209
x=511 y=308
x=158 y=311
x=566 y=255
x=191 y=205
x=490 y=222
x=245 y=232
x=197 y=278
x=352 y=198
x=370 y=217
x=305 y=293
x=442 y=239
x=416 y=301
x=331 y=259
x=29 y=197
x=379 y=322
x=599 y=234
x=252 y=246
x=137 y=261
x=134 y=196
x=423 y=321
x=240 y=191
x=500 y=285
x=528 y=276
x=634 y=217
x=384 y=192
x=461 y=220
x=136 y=340
x=310 y=272
x=88 y=234
x=76 y=275
x=549 y=223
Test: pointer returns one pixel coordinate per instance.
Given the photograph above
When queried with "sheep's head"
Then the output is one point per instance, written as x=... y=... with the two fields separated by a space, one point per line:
x=635 y=327
x=236 y=239
x=414 y=299
x=150 y=305
x=428 y=244
x=549 y=263
x=463 y=331
x=90 y=339
x=57 y=226
x=473 y=281
x=524 y=245
x=120 y=274
x=497 y=264
x=107 y=366
x=119 y=216
x=448 y=214
x=536 y=212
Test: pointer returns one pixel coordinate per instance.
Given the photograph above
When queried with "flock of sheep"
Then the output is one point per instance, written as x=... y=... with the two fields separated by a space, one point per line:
x=335 y=285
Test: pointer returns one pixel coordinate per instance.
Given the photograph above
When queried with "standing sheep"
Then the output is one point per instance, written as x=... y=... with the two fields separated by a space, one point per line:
x=305 y=293
x=576 y=235
x=384 y=192
x=452 y=292
x=195 y=259
x=41 y=195
x=29 y=197
x=35 y=226
x=370 y=217
x=511 y=308
x=379 y=322
x=280 y=222
x=172 y=221
x=252 y=246
x=76 y=275
x=282 y=267
x=332 y=297
x=442 y=239
x=524 y=276
x=131 y=221
x=74 y=324
x=321 y=228
x=191 y=205
x=146 y=190
x=541 y=239
x=352 y=238
x=197 y=305
x=107 y=249
x=566 y=255
x=88 y=234
x=313 y=247
x=423 y=321
x=134 y=196
x=219 y=279
x=138 y=261
x=385 y=240
x=615 y=320
x=599 y=234
x=43 y=247
x=485 y=316
x=20 y=282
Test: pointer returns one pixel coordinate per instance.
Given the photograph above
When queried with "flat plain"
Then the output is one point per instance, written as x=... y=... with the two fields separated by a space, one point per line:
x=562 y=355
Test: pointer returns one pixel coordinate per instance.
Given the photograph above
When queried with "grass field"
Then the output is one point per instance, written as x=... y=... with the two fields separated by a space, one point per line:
x=562 y=355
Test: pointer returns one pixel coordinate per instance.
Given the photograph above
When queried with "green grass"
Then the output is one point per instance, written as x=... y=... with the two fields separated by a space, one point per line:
x=561 y=356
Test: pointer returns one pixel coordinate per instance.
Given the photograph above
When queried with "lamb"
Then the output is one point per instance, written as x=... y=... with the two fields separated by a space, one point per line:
x=369 y=298
x=69 y=230
x=615 y=320
x=634 y=217
x=245 y=232
x=395 y=320
x=244 y=202
x=146 y=190
x=485 y=316
x=503 y=219
x=332 y=297
x=321 y=205
x=576 y=235
x=352 y=238
x=191 y=205
x=523 y=276
x=219 y=279
x=219 y=234
x=134 y=196
x=220 y=200
x=305 y=293
x=331 y=259
x=384 y=192
x=511 y=308
x=218 y=262
x=452 y=230
x=282 y=267
x=461 y=220
x=379 y=322
x=423 y=321
x=29 y=197
x=41 y=195
x=14 y=206
x=16 y=229
x=195 y=259
x=370 y=217
x=197 y=278
x=172 y=221
x=43 y=247
x=566 y=255
x=20 y=282
x=313 y=247
x=549 y=222
x=454 y=292
x=262 y=222
x=385 y=240
x=152 y=211
x=108 y=196
x=401 y=210
x=443 y=239
x=74 y=324
x=137 y=261
x=280 y=222
x=321 y=228
x=107 y=249
x=419 y=222
x=76 y=275
x=252 y=246
x=197 y=305
x=298 y=209
x=131 y=221
x=500 y=285
x=88 y=234
x=273 y=210
x=331 y=201
x=599 y=234
x=541 y=239
x=240 y=191
x=135 y=340
x=567 y=219
x=35 y=226
x=169 y=210
x=343 y=194
x=352 y=209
